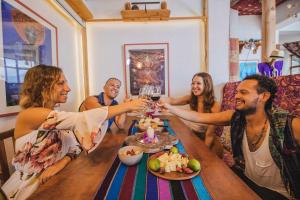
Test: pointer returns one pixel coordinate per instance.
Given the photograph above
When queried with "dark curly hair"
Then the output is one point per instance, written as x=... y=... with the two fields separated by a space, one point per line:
x=208 y=93
x=36 y=91
x=264 y=84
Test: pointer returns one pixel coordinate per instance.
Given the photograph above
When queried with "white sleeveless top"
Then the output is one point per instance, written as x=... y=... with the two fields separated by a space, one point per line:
x=261 y=168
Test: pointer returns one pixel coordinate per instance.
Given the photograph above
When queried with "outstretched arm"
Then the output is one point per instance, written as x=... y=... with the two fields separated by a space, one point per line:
x=210 y=133
x=120 y=119
x=136 y=104
x=176 y=101
x=92 y=102
x=220 y=118
x=296 y=129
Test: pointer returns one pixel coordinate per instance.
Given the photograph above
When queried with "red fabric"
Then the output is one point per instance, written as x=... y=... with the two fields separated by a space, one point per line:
x=250 y=7
x=293 y=47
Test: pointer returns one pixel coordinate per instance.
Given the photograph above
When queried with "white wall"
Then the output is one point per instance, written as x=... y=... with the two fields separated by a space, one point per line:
x=183 y=37
x=234 y=23
x=245 y=28
x=105 y=50
x=249 y=27
x=69 y=55
x=282 y=12
x=292 y=36
x=218 y=19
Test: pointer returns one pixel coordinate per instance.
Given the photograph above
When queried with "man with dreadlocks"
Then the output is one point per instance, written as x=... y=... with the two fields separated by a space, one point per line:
x=265 y=140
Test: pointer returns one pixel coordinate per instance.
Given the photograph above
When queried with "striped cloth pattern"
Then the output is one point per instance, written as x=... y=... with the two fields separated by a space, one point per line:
x=136 y=183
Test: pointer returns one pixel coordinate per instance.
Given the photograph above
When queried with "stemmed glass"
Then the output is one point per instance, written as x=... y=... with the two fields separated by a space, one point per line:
x=155 y=96
x=144 y=93
x=156 y=92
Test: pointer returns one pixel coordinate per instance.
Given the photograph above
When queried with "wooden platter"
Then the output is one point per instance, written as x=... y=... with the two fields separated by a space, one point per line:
x=177 y=176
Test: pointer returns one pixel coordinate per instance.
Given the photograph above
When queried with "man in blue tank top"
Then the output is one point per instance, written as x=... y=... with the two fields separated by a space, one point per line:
x=106 y=98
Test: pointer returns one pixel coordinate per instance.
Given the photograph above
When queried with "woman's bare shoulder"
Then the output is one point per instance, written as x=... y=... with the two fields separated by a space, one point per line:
x=30 y=119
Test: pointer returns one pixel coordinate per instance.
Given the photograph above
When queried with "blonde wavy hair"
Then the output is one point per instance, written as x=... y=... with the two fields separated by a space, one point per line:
x=39 y=81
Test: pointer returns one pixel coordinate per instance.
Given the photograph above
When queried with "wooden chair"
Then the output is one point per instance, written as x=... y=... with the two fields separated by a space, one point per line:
x=4 y=167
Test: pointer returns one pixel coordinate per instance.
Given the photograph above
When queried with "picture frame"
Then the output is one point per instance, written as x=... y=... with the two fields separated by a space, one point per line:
x=146 y=64
x=27 y=39
x=247 y=67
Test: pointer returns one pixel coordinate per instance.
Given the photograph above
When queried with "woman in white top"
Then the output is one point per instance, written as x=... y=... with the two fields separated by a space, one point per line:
x=201 y=99
x=45 y=138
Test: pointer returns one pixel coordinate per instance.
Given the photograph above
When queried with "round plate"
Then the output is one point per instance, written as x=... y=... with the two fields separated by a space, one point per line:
x=166 y=141
x=177 y=176
x=131 y=140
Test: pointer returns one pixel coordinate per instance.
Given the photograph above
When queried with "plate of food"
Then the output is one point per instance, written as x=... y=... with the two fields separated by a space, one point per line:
x=151 y=141
x=173 y=165
x=156 y=123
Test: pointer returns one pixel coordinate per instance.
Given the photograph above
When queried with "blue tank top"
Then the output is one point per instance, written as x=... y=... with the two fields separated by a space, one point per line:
x=100 y=98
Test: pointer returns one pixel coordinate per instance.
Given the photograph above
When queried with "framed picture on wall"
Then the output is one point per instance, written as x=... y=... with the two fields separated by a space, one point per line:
x=146 y=64
x=247 y=67
x=27 y=39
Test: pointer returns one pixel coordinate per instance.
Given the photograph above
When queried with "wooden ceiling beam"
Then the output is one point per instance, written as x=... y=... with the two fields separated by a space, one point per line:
x=81 y=9
x=233 y=2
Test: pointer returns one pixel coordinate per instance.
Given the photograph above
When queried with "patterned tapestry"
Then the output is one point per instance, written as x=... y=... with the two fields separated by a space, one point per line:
x=293 y=47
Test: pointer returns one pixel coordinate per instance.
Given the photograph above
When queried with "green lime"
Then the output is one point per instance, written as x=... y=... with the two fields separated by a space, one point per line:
x=194 y=165
x=154 y=164
x=174 y=150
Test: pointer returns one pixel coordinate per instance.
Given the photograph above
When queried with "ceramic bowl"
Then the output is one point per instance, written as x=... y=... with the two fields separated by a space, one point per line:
x=130 y=155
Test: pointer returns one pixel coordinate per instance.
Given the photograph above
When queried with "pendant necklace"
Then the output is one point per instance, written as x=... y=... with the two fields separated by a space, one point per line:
x=258 y=137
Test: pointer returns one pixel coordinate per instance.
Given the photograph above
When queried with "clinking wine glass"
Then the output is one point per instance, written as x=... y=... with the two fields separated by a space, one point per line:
x=155 y=96
x=144 y=93
x=156 y=92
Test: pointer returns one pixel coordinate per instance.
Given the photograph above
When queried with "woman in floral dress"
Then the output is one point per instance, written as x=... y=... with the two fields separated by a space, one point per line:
x=45 y=138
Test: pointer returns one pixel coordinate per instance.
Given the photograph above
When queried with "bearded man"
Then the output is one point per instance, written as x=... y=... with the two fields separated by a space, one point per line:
x=265 y=140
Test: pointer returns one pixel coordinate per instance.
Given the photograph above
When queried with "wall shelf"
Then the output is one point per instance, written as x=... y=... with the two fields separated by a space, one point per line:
x=145 y=15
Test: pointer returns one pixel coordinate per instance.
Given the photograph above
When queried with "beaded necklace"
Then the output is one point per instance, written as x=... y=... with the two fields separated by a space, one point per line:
x=257 y=137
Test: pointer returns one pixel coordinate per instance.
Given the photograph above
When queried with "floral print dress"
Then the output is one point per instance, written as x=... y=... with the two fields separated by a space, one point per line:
x=54 y=139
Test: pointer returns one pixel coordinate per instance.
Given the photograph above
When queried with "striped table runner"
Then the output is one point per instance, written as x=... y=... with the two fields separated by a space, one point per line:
x=135 y=182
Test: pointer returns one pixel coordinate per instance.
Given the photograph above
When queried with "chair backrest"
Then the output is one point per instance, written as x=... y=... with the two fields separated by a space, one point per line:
x=4 y=171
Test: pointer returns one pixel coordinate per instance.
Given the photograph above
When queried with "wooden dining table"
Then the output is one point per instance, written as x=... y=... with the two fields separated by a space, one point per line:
x=82 y=178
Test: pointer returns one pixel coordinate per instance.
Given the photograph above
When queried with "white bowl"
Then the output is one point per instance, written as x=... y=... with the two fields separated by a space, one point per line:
x=130 y=159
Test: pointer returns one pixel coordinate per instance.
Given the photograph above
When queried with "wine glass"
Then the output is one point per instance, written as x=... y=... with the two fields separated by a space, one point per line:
x=156 y=93
x=144 y=93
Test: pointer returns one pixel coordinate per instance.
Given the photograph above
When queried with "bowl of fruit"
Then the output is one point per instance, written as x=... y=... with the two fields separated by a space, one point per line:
x=130 y=155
